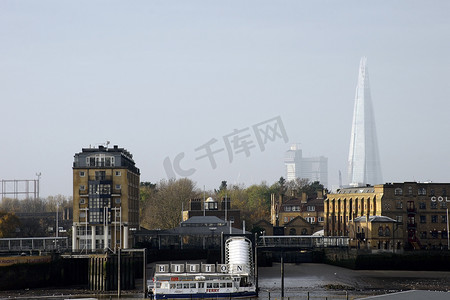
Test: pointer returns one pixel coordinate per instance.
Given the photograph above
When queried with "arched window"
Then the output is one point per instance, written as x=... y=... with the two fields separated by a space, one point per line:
x=304 y=231
x=387 y=231
x=398 y=192
x=292 y=231
x=380 y=231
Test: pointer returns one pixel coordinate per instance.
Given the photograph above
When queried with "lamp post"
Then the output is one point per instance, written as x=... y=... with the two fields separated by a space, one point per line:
x=448 y=235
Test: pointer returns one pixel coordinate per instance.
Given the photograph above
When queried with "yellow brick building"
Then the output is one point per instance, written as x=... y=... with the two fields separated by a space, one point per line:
x=419 y=211
x=105 y=199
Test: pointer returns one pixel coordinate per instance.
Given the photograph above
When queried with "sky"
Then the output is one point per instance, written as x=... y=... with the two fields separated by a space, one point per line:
x=168 y=80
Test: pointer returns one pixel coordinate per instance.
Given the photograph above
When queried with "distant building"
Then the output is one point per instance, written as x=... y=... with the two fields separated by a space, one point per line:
x=105 y=199
x=418 y=211
x=296 y=215
x=211 y=207
x=363 y=158
x=312 y=168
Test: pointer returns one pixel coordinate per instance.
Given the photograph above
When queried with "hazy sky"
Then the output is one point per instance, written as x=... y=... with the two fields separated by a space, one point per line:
x=164 y=78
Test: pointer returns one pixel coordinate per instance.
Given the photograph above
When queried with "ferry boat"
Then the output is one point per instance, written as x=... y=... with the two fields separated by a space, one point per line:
x=234 y=279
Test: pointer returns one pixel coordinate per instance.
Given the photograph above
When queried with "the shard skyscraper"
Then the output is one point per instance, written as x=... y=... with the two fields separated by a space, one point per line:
x=363 y=159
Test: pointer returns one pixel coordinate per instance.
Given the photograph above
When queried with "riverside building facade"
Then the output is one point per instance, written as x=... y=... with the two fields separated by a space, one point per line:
x=105 y=199
x=419 y=214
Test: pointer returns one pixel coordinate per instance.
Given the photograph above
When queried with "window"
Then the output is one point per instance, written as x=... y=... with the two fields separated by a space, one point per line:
x=422 y=205
x=82 y=174
x=83 y=215
x=399 y=219
x=100 y=160
x=287 y=208
x=100 y=189
x=399 y=204
x=82 y=187
x=433 y=205
x=304 y=231
x=320 y=219
x=443 y=205
x=296 y=208
x=82 y=201
x=387 y=231
x=286 y=219
x=398 y=192
x=311 y=219
x=444 y=192
x=117 y=200
x=422 y=191
x=311 y=208
x=118 y=186
x=444 y=219
x=434 y=234
x=410 y=190
x=434 y=219
x=100 y=175
x=423 y=235
x=444 y=234
x=423 y=219
x=432 y=192
x=118 y=173
x=380 y=231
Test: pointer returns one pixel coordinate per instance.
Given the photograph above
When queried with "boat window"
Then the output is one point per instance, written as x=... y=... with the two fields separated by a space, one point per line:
x=209 y=285
x=179 y=286
x=201 y=285
x=229 y=284
x=172 y=285
x=192 y=285
x=216 y=285
x=158 y=284
x=185 y=285
x=222 y=284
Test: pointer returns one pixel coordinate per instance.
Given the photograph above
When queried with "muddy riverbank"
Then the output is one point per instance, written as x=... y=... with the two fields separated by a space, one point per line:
x=319 y=280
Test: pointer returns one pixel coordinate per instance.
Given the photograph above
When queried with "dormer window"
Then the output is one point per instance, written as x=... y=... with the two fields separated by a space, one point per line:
x=100 y=160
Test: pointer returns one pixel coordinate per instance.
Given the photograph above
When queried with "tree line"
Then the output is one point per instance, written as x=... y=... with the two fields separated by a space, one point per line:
x=12 y=226
x=161 y=203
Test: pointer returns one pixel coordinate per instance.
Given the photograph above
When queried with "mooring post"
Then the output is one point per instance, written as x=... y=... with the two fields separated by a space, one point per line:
x=144 y=275
x=118 y=273
x=282 y=275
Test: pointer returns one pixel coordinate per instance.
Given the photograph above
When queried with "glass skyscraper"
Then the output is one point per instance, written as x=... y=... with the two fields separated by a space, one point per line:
x=363 y=160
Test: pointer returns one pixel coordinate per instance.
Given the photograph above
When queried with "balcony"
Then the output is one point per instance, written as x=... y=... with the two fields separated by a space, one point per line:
x=411 y=225
x=411 y=210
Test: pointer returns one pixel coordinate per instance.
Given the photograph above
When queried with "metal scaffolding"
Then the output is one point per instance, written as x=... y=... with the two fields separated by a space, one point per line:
x=20 y=187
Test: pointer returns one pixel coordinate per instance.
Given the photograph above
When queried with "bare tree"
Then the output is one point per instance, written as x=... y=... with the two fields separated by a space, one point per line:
x=162 y=209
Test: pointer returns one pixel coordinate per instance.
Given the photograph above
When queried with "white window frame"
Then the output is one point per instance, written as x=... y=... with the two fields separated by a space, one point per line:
x=311 y=208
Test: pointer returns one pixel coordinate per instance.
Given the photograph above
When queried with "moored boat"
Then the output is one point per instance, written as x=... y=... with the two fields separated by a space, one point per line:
x=234 y=279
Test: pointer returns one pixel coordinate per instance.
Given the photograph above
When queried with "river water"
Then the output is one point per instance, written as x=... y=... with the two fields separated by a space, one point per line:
x=318 y=281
